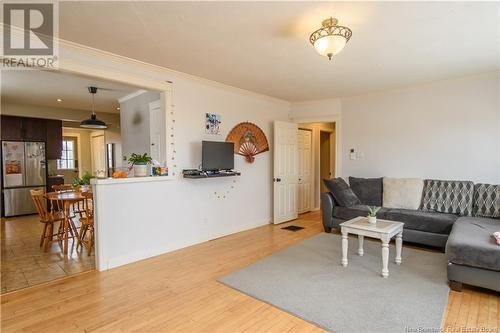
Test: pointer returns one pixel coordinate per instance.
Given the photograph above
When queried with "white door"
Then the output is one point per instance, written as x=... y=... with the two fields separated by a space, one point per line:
x=98 y=148
x=305 y=178
x=156 y=127
x=285 y=171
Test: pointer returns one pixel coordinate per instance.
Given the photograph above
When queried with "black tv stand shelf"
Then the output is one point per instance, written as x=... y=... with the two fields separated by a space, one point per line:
x=213 y=175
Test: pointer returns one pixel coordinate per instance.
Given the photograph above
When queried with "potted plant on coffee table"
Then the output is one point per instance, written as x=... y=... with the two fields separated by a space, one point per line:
x=372 y=214
x=140 y=163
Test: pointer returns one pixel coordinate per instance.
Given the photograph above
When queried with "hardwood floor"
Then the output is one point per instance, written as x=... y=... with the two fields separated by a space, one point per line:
x=25 y=264
x=178 y=292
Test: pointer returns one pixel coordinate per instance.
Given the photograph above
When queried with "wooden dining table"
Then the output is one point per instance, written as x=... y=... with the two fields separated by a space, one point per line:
x=68 y=199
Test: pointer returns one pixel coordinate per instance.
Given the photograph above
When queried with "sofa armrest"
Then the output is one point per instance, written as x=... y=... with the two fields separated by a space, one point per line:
x=327 y=204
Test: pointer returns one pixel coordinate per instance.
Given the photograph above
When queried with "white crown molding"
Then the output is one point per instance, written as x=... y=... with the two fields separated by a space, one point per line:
x=131 y=95
x=69 y=46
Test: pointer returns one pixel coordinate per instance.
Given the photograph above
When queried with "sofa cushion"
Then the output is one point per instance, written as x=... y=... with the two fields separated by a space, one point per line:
x=341 y=192
x=471 y=243
x=368 y=190
x=420 y=220
x=403 y=193
x=448 y=196
x=347 y=213
x=486 y=200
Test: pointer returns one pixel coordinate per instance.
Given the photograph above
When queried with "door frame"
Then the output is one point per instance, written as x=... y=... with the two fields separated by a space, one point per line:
x=338 y=128
x=338 y=144
x=78 y=146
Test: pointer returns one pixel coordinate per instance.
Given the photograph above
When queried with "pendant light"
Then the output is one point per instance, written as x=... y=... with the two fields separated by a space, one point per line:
x=93 y=122
x=331 y=38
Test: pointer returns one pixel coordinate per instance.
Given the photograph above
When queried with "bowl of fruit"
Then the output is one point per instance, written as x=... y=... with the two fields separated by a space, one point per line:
x=119 y=174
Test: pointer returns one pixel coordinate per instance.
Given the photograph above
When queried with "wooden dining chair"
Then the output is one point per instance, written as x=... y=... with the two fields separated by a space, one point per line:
x=48 y=218
x=87 y=223
x=58 y=205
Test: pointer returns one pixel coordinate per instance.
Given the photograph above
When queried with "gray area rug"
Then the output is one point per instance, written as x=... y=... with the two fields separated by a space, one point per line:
x=308 y=281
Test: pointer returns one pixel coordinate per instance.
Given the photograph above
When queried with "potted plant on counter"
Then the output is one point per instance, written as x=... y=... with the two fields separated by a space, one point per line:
x=83 y=181
x=140 y=163
x=372 y=214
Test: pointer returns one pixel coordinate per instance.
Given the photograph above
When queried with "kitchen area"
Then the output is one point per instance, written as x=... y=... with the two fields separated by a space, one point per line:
x=58 y=130
x=31 y=150
x=29 y=147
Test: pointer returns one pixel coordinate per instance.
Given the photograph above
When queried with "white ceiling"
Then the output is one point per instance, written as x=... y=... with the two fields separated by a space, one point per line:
x=45 y=87
x=264 y=46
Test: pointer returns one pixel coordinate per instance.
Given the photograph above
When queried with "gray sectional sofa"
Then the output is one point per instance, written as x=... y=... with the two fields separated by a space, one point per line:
x=459 y=217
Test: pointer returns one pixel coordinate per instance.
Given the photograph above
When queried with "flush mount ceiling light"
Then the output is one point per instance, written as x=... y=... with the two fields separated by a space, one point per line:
x=93 y=122
x=330 y=39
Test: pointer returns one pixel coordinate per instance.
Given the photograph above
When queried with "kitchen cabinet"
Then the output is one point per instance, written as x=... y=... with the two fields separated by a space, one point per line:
x=34 y=129
x=12 y=128
x=54 y=139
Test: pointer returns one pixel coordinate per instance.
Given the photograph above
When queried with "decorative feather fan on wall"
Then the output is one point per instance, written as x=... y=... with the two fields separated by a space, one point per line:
x=249 y=140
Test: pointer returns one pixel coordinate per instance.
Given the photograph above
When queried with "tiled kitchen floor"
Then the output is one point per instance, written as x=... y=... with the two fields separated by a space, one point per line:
x=25 y=264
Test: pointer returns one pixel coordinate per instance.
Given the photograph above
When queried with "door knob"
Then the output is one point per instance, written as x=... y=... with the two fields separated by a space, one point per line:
x=278 y=180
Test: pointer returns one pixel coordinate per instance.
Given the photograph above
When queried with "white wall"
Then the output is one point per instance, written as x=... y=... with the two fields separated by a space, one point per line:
x=316 y=110
x=138 y=220
x=443 y=130
x=134 y=123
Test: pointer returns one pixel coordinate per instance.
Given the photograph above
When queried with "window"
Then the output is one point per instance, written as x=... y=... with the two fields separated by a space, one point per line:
x=68 y=158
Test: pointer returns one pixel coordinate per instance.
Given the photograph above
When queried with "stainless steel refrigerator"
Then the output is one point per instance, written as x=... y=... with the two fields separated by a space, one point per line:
x=23 y=169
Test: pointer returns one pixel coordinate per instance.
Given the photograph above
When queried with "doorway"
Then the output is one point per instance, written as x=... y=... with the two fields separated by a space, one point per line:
x=325 y=157
x=316 y=165
x=98 y=155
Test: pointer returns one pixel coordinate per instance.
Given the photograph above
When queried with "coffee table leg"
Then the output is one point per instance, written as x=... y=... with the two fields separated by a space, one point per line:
x=360 y=245
x=399 y=247
x=344 y=249
x=385 y=257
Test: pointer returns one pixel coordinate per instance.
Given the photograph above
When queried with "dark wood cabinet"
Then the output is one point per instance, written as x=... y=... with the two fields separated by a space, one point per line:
x=12 y=128
x=54 y=139
x=34 y=129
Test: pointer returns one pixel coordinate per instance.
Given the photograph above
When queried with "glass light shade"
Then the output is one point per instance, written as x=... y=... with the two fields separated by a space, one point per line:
x=329 y=46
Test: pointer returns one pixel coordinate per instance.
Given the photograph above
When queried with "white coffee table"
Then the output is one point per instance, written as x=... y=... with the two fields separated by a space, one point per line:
x=383 y=230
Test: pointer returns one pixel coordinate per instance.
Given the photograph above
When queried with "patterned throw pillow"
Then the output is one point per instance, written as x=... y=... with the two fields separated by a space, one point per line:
x=448 y=196
x=487 y=200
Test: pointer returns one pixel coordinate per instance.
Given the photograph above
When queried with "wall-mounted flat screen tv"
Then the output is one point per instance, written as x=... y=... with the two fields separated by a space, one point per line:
x=217 y=155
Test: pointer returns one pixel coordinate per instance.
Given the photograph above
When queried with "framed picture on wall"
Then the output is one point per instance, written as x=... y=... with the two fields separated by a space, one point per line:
x=212 y=123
